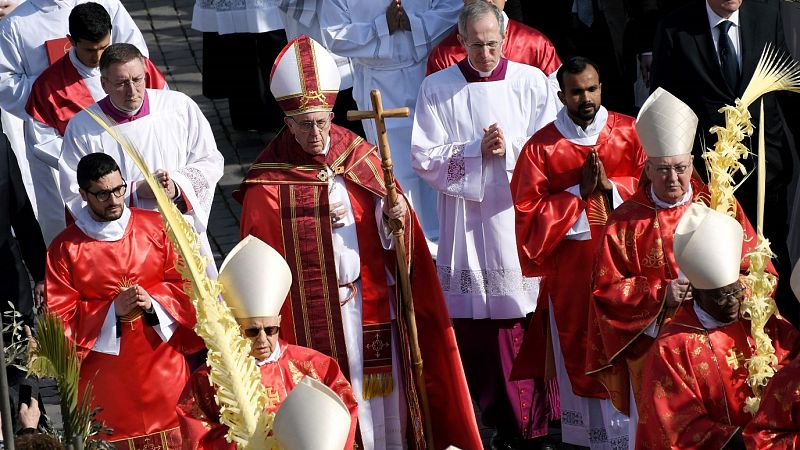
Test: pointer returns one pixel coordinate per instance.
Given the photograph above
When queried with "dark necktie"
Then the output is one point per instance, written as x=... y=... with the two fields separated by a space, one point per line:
x=727 y=55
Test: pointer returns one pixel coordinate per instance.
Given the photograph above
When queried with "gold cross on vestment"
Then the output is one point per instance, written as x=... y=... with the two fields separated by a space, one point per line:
x=734 y=358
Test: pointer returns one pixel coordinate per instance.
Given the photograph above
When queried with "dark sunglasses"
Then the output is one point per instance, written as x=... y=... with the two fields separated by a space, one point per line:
x=254 y=332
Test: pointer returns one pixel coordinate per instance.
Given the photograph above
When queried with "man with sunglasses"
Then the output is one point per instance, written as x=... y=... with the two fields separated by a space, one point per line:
x=637 y=284
x=167 y=127
x=255 y=299
x=111 y=278
x=694 y=384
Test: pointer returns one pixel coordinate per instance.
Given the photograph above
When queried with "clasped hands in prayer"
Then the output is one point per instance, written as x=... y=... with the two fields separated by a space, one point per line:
x=396 y=212
x=493 y=142
x=131 y=298
x=162 y=176
x=396 y=17
x=593 y=175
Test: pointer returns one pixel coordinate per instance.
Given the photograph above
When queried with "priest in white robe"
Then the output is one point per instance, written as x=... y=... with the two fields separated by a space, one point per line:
x=30 y=38
x=167 y=127
x=471 y=122
x=388 y=43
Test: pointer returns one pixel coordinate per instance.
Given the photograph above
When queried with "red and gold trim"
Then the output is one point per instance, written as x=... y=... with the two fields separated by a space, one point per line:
x=163 y=440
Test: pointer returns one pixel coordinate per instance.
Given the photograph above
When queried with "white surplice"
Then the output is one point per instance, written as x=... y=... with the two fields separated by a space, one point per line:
x=302 y=17
x=477 y=260
x=394 y=64
x=22 y=58
x=242 y=16
x=174 y=136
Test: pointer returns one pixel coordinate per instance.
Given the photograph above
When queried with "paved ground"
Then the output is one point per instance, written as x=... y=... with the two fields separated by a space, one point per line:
x=178 y=52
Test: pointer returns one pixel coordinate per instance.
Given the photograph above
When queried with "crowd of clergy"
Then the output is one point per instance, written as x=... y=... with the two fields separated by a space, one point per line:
x=537 y=266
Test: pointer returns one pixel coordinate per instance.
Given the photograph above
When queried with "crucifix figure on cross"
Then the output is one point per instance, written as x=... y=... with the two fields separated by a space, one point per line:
x=378 y=114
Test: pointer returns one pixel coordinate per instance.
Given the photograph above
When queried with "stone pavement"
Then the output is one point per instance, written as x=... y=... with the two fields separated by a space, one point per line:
x=178 y=51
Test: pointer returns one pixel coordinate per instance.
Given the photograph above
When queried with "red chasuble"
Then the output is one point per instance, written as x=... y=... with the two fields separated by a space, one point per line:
x=60 y=92
x=199 y=413
x=694 y=386
x=633 y=264
x=777 y=423
x=522 y=44
x=139 y=388
x=285 y=204
x=547 y=166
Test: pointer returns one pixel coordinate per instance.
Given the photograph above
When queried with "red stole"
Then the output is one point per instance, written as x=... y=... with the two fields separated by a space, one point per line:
x=308 y=247
x=60 y=92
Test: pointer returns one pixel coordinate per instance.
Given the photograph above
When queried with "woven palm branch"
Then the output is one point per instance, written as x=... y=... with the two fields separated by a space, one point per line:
x=240 y=395
x=56 y=357
x=774 y=72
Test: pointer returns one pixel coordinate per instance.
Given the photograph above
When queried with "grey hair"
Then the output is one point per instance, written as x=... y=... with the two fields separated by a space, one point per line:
x=476 y=9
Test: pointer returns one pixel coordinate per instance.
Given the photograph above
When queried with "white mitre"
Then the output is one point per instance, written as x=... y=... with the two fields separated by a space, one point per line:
x=312 y=417
x=708 y=247
x=255 y=279
x=666 y=126
x=305 y=77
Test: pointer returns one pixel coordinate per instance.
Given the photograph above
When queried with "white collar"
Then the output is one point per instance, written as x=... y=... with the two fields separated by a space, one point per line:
x=577 y=135
x=83 y=70
x=273 y=357
x=103 y=231
x=661 y=204
x=714 y=19
x=483 y=74
x=505 y=22
x=708 y=322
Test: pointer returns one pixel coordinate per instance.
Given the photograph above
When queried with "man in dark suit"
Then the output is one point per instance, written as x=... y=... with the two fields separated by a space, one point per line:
x=705 y=54
x=18 y=256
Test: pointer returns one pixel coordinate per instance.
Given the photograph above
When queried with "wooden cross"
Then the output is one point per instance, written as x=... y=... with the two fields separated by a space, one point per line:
x=378 y=114
x=734 y=358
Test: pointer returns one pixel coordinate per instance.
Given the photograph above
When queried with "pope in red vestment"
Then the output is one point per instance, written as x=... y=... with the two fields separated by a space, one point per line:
x=693 y=388
x=199 y=413
x=777 y=423
x=521 y=44
x=138 y=380
x=315 y=194
x=546 y=211
x=283 y=199
x=633 y=265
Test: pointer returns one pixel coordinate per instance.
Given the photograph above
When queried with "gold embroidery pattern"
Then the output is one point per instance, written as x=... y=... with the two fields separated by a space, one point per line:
x=300 y=369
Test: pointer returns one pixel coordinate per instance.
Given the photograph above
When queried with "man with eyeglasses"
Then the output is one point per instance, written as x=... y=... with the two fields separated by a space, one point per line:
x=316 y=194
x=111 y=278
x=31 y=39
x=521 y=44
x=637 y=284
x=73 y=82
x=167 y=127
x=256 y=299
x=694 y=383
x=471 y=121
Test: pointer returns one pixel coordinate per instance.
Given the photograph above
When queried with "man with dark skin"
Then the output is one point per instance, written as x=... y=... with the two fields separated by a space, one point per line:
x=569 y=177
x=694 y=382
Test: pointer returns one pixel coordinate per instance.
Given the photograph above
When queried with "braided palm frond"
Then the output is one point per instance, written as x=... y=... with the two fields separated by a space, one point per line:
x=240 y=395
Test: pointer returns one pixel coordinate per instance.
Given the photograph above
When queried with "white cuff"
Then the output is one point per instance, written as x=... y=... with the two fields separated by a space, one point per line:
x=107 y=341
x=387 y=238
x=166 y=324
x=580 y=230
x=616 y=199
x=652 y=330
